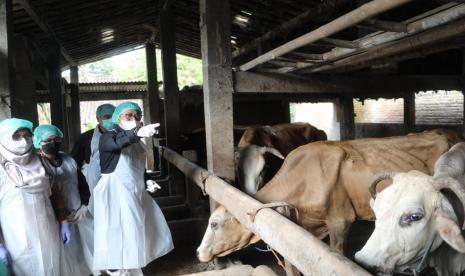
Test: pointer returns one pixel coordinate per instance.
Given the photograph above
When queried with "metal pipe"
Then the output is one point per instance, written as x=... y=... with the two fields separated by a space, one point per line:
x=302 y=249
x=352 y=18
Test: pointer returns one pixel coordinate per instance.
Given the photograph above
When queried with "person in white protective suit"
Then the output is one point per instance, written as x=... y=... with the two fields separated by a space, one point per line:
x=47 y=140
x=129 y=228
x=32 y=231
x=86 y=154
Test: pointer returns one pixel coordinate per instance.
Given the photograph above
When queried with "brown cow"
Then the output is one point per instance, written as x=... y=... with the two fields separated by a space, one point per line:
x=327 y=181
x=277 y=140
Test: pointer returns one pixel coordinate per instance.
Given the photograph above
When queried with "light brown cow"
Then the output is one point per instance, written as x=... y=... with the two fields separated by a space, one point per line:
x=283 y=137
x=277 y=140
x=328 y=184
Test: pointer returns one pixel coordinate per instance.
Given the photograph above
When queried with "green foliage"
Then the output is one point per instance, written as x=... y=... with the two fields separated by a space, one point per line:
x=131 y=66
x=88 y=127
x=292 y=111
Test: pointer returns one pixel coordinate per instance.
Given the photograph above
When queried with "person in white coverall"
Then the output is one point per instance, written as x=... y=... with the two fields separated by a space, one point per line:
x=47 y=140
x=32 y=231
x=129 y=228
x=86 y=154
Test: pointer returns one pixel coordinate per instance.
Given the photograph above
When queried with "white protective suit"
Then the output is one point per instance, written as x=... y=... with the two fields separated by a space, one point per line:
x=28 y=222
x=67 y=180
x=91 y=172
x=129 y=228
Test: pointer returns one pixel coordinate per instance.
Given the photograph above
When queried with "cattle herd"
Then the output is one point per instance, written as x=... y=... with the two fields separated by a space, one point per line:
x=413 y=186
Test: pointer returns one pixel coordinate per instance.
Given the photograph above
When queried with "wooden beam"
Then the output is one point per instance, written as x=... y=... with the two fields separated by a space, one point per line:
x=153 y=95
x=357 y=85
x=152 y=112
x=99 y=96
x=388 y=26
x=311 y=14
x=23 y=98
x=55 y=92
x=340 y=43
x=171 y=91
x=431 y=19
x=217 y=86
x=310 y=255
x=45 y=28
x=347 y=118
x=352 y=18
x=75 y=110
x=170 y=80
x=409 y=112
x=426 y=38
x=6 y=62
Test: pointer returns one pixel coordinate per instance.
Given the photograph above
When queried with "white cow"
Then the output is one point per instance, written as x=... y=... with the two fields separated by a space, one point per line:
x=413 y=218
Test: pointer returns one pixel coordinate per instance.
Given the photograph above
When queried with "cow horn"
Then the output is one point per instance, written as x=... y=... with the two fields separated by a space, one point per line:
x=453 y=185
x=378 y=178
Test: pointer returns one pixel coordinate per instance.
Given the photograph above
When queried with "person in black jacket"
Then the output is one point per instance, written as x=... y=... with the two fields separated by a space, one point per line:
x=86 y=154
x=129 y=228
x=83 y=150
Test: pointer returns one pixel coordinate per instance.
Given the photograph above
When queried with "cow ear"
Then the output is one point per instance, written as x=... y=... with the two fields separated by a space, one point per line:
x=450 y=231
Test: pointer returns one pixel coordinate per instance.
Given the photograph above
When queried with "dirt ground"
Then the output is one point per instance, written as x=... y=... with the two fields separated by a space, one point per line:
x=183 y=260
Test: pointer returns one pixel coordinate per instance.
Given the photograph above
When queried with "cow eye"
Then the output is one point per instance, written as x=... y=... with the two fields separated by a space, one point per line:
x=407 y=219
x=214 y=225
x=415 y=217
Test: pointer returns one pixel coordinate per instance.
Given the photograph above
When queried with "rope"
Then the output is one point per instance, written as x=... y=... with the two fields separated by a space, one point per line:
x=273 y=205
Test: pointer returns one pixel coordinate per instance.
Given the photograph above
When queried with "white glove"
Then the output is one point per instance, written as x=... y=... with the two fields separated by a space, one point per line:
x=148 y=130
x=152 y=186
x=77 y=215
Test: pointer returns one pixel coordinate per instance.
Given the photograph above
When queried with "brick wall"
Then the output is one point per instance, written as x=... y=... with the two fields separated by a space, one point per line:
x=432 y=108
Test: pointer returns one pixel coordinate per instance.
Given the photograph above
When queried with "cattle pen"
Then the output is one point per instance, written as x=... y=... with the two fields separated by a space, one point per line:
x=361 y=68
x=286 y=237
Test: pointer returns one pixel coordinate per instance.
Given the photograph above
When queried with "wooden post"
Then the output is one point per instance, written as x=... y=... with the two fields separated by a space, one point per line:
x=152 y=99
x=170 y=78
x=171 y=91
x=6 y=75
x=55 y=88
x=75 y=116
x=347 y=124
x=409 y=112
x=23 y=98
x=217 y=86
x=463 y=93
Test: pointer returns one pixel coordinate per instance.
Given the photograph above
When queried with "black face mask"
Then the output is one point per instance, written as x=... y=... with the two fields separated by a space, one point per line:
x=51 y=148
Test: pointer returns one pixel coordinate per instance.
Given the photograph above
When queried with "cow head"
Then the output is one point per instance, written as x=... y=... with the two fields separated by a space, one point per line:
x=224 y=234
x=250 y=166
x=410 y=215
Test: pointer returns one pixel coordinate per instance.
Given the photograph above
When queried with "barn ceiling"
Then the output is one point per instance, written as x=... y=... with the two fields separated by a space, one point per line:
x=91 y=30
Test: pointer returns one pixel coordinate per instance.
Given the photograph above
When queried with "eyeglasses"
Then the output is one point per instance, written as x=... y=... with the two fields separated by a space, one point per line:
x=129 y=116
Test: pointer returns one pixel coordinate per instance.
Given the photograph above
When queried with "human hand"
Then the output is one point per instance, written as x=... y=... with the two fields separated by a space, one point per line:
x=65 y=233
x=152 y=186
x=148 y=130
x=4 y=255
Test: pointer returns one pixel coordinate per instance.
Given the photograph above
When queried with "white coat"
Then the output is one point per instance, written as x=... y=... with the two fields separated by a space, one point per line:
x=129 y=228
x=67 y=180
x=91 y=172
x=30 y=231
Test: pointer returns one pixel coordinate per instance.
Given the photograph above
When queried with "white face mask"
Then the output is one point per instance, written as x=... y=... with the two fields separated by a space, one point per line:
x=18 y=147
x=128 y=125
